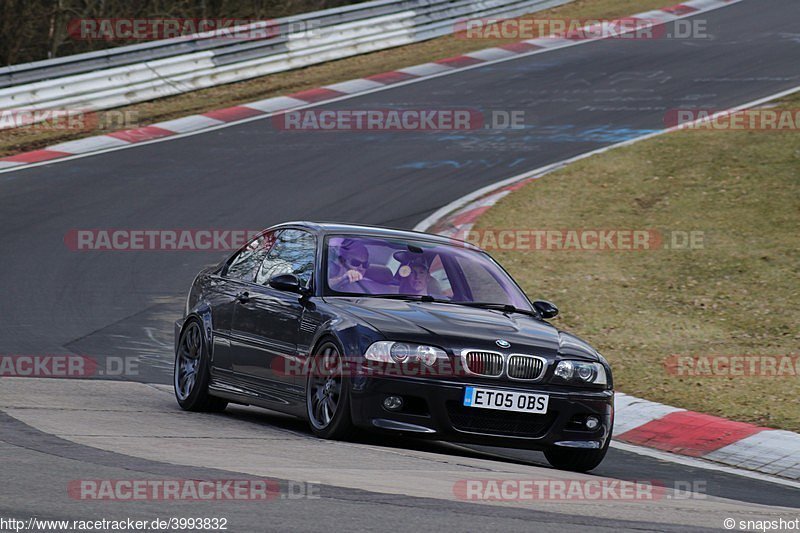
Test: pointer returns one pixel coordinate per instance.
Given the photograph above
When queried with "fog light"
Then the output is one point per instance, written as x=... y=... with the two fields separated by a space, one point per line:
x=393 y=403
x=592 y=422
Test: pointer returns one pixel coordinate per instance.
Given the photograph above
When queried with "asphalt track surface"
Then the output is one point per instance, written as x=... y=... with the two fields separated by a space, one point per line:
x=251 y=175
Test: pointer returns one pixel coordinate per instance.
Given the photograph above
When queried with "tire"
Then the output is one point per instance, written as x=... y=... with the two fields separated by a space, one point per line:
x=191 y=373
x=576 y=459
x=328 y=394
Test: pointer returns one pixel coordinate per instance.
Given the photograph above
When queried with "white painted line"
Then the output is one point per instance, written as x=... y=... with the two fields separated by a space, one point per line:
x=701 y=463
x=192 y=123
x=9 y=164
x=89 y=144
x=354 y=86
x=418 y=70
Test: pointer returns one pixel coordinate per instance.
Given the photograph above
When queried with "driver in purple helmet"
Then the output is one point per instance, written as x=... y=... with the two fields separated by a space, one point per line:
x=352 y=263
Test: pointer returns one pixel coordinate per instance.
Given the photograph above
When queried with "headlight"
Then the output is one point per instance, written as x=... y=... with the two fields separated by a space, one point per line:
x=581 y=372
x=404 y=352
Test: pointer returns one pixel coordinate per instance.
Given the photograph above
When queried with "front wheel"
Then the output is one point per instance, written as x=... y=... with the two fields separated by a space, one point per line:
x=191 y=373
x=327 y=394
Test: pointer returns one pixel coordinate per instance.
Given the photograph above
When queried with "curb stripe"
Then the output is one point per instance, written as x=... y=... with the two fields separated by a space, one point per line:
x=395 y=76
x=552 y=42
x=689 y=433
x=631 y=412
x=520 y=48
x=316 y=95
x=277 y=103
x=680 y=9
x=491 y=54
x=354 y=86
x=232 y=114
x=459 y=61
x=772 y=452
x=35 y=156
x=423 y=70
x=89 y=144
x=658 y=15
x=141 y=134
x=187 y=124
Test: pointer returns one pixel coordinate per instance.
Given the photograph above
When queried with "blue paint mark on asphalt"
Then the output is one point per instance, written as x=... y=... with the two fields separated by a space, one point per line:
x=529 y=135
x=466 y=163
x=452 y=137
x=421 y=165
x=565 y=133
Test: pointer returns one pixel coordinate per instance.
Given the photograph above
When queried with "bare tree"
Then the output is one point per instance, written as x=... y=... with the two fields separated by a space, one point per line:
x=31 y=30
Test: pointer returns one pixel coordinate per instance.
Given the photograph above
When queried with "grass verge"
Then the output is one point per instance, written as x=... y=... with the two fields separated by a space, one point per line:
x=737 y=295
x=32 y=138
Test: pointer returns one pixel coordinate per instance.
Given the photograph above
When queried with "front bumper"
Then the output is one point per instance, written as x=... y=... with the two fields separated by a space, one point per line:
x=432 y=408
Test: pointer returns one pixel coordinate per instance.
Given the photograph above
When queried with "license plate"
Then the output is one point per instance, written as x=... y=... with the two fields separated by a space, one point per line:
x=502 y=400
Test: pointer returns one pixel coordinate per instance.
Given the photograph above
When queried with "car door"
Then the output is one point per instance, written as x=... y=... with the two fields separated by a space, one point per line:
x=266 y=323
x=226 y=287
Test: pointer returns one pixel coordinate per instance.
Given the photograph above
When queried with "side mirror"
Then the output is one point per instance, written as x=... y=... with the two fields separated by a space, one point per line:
x=545 y=308
x=286 y=282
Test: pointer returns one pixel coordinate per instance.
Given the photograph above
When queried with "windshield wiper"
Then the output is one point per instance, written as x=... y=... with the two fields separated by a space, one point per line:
x=508 y=308
x=410 y=297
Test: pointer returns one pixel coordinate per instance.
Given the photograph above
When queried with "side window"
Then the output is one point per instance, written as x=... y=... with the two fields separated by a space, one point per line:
x=292 y=253
x=244 y=265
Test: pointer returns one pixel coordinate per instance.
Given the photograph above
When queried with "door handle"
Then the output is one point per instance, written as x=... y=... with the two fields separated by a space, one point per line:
x=243 y=297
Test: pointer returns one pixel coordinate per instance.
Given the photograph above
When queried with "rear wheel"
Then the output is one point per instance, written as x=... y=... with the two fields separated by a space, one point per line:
x=327 y=394
x=576 y=459
x=191 y=373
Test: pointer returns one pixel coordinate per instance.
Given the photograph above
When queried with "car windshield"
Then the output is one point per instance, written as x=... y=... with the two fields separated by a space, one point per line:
x=390 y=267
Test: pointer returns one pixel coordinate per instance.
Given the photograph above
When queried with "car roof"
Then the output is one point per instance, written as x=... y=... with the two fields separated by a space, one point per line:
x=376 y=231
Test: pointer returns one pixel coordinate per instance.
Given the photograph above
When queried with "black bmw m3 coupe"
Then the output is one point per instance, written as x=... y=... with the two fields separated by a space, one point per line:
x=355 y=327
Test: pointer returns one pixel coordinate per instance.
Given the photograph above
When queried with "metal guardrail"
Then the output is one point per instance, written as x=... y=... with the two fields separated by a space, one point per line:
x=129 y=74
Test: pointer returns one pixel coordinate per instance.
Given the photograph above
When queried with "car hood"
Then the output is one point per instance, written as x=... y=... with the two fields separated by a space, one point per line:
x=460 y=327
